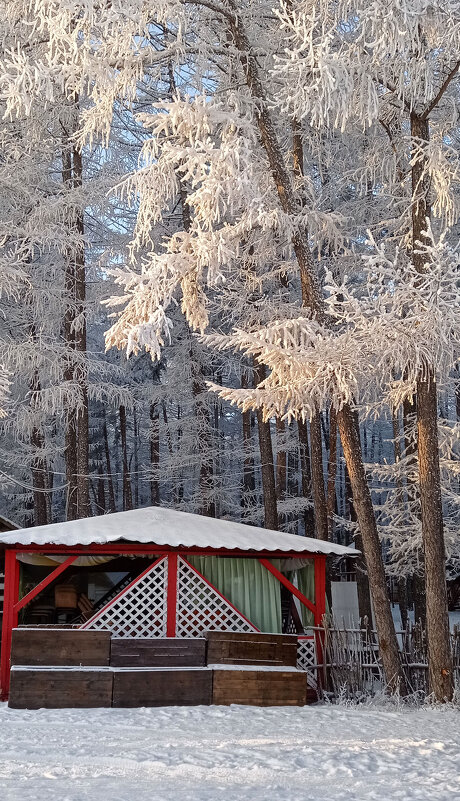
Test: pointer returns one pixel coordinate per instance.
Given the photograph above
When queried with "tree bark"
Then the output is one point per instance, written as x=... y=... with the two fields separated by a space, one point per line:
x=317 y=475
x=127 y=490
x=70 y=436
x=202 y=417
x=154 y=455
x=101 y=508
x=402 y=582
x=305 y=468
x=332 y=472
x=136 y=458
x=266 y=461
x=82 y=416
x=437 y=617
x=249 y=483
x=362 y=578
x=418 y=578
x=111 y=491
x=281 y=459
x=402 y=599
x=39 y=476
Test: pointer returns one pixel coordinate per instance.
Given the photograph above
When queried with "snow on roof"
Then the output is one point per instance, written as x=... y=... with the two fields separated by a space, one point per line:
x=160 y=526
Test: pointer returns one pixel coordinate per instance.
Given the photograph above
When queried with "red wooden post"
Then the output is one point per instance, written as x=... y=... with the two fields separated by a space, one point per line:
x=320 y=589
x=320 y=611
x=172 y=595
x=10 y=618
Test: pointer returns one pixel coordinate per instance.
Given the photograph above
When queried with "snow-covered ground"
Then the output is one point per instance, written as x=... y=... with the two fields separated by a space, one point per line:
x=316 y=753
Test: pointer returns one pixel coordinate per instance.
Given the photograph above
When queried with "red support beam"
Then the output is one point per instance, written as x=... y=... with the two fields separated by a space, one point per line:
x=43 y=584
x=10 y=618
x=283 y=580
x=320 y=589
x=172 y=595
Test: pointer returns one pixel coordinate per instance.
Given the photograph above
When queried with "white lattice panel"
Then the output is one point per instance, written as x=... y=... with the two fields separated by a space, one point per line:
x=140 y=610
x=200 y=608
x=306 y=658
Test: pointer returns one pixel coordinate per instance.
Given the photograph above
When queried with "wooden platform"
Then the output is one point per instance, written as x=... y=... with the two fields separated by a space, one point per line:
x=55 y=646
x=173 y=687
x=172 y=652
x=259 y=687
x=251 y=649
x=76 y=668
x=57 y=689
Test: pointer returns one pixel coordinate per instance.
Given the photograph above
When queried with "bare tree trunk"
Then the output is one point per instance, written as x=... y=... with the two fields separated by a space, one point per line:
x=312 y=299
x=101 y=508
x=402 y=583
x=82 y=417
x=332 y=472
x=168 y=432
x=249 y=482
x=70 y=436
x=305 y=466
x=154 y=455
x=437 y=617
x=111 y=491
x=457 y=394
x=208 y=507
x=39 y=474
x=266 y=461
x=127 y=490
x=317 y=475
x=136 y=458
x=281 y=460
x=402 y=599
x=39 y=469
x=418 y=578
x=362 y=578
x=316 y=443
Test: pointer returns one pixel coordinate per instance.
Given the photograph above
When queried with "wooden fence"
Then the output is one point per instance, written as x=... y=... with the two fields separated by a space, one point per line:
x=351 y=667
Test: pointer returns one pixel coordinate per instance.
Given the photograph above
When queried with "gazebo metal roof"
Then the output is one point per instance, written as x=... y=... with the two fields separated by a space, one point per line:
x=168 y=528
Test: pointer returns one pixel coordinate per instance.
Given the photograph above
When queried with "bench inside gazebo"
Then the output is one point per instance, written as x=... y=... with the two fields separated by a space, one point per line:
x=153 y=607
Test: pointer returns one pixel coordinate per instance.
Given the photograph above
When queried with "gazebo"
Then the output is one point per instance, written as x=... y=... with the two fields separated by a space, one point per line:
x=156 y=573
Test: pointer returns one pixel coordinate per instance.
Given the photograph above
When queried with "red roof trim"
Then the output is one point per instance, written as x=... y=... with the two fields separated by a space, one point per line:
x=121 y=548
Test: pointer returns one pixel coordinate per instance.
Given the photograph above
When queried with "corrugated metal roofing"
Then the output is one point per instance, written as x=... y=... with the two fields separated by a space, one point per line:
x=160 y=526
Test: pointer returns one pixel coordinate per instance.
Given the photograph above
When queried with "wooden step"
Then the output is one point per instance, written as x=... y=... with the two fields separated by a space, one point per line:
x=157 y=687
x=236 y=648
x=158 y=652
x=54 y=646
x=36 y=688
x=254 y=687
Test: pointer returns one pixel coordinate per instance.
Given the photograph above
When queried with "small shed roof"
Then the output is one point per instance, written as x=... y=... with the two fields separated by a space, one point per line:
x=166 y=527
x=7 y=525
